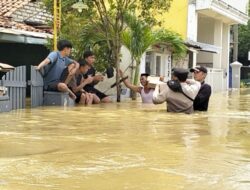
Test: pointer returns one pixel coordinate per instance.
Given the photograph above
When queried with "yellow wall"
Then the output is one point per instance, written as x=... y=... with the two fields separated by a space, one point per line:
x=176 y=18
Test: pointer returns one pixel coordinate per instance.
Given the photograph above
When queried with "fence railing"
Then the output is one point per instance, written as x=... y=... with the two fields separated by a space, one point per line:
x=15 y=81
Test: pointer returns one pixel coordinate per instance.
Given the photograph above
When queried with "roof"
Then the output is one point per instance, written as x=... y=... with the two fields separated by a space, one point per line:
x=203 y=46
x=14 y=14
x=9 y=6
x=6 y=22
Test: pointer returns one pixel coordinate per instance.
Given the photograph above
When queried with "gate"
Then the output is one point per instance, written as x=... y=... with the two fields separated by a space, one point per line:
x=36 y=90
x=15 y=81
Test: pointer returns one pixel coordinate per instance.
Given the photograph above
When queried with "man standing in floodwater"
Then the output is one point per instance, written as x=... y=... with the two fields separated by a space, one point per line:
x=202 y=99
x=178 y=92
x=54 y=65
x=144 y=90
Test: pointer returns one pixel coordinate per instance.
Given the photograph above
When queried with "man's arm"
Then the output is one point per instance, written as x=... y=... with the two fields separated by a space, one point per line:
x=131 y=86
x=128 y=84
x=83 y=83
x=52 y=57
x=193 y=88
x=160 y=93
x=72 y=68
x=43 y=64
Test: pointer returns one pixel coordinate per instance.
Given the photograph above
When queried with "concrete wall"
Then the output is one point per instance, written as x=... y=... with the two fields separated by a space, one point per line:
x=241 y=5
x=176 y=18
x=205 y=34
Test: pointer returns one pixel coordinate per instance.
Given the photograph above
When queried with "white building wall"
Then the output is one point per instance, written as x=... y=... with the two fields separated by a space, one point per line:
x=209 y=22
x=218 y=32
x=205 y=33
x=241 y=5
x=192 y=21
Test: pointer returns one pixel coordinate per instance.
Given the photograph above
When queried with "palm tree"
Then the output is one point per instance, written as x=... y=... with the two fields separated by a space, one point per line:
x=138 y=37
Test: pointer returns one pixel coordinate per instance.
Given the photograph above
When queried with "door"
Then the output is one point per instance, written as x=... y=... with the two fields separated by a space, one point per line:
x=158 y=65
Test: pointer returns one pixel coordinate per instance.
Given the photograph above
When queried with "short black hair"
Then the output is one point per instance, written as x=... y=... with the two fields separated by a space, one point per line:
x=82 y=62
x=87 y=54
x=63 y=44
x=144 y=75
x=180 y=73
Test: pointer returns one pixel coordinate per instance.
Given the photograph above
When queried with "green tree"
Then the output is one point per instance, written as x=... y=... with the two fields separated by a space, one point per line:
x=108 y=17
x=139 y=36
x=244 y=41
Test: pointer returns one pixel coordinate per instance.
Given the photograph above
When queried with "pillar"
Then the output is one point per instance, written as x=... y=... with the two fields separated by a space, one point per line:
x=236 y=67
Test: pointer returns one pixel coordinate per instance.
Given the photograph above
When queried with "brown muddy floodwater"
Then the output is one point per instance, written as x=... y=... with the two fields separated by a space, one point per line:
x=127 y=146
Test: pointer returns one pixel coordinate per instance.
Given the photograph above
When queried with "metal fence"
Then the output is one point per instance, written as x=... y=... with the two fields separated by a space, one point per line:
x=36 y=84
x=15 y=81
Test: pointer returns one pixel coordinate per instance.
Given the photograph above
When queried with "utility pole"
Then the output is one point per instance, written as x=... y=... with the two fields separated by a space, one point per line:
x=56 y=21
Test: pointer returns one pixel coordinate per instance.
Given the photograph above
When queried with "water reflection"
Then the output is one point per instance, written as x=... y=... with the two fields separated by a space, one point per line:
x=128 y=146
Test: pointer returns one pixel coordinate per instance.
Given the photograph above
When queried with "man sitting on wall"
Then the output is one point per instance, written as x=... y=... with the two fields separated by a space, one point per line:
x=54 y=65
x=78 y=82
x=202 y=99
x=89 y=57
x=178 y=92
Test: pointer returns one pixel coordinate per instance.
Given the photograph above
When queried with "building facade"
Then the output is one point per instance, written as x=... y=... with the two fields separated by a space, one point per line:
x=209 y=23
x=205 y=27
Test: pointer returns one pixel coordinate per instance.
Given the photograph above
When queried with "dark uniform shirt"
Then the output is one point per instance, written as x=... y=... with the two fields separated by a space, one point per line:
x=202 y=99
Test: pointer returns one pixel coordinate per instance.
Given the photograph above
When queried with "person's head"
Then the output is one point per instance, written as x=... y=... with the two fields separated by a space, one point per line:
x=64 y=46
x=179 y=74
x=200 y=73
x=89 y=57
x=84 y=67
x=143 y=79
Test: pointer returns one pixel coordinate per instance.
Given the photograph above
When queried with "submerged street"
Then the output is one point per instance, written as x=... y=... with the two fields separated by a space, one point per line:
x=127 y=146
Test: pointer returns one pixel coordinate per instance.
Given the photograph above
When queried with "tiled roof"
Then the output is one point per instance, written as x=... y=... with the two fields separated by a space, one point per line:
x=13 y=13
x=7 y=7
x=8 y=23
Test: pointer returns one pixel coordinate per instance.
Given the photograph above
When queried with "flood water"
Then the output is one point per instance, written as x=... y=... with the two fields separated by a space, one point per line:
x=127 y=146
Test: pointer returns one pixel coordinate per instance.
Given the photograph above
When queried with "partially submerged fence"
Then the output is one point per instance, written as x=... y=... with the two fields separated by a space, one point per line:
x=15 y=81
x=36 y=88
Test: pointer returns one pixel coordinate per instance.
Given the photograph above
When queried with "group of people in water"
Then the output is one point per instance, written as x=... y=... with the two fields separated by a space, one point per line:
x=79 y=78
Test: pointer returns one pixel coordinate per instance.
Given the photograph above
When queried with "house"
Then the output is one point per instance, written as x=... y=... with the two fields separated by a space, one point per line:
x=205 y=27
x=23 y=32
x=209 y=24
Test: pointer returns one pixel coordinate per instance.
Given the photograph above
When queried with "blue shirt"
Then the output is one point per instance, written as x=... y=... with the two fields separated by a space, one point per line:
x=56 y=70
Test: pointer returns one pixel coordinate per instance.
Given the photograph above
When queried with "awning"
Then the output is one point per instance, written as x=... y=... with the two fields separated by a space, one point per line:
x=202 y=47
x=19 y=36
x=223 y=10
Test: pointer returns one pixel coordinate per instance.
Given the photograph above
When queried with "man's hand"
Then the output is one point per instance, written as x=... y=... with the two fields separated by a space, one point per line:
x=42 y=64
x=98 y=78
x=37 y=68
x=89 y=80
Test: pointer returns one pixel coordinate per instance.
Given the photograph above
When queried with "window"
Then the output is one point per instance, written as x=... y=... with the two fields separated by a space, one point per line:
x=148 y=63
x=158 y=65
